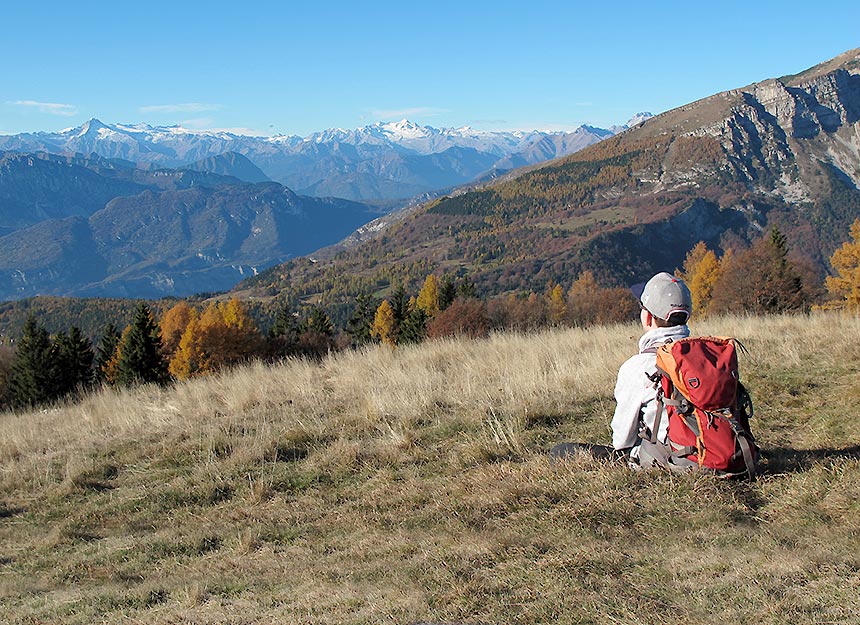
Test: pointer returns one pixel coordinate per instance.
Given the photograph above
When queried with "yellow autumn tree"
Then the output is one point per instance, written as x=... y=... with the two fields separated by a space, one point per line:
x=188 y=359
x=229 y=334
x=846 y=262
x=701 y=272
x=223 y=335
x=213 y=336
x=557 y=305
x=428 y=296
x=383 y=327
x=173 y=325
x=236 y=316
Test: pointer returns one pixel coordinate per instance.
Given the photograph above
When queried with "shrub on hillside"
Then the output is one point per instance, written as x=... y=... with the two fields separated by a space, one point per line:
x=590 y=304
x=519 y=314
x=464 y=317
x=763 y=280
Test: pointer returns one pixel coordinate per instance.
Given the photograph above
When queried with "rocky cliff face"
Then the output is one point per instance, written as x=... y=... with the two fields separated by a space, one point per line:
x=791 y=144
x=777 y=133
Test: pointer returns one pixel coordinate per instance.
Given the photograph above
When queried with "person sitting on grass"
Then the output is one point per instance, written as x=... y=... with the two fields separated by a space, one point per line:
x=666 y=305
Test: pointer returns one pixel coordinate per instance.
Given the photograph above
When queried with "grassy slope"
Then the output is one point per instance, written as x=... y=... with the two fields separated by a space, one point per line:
x=412 y=486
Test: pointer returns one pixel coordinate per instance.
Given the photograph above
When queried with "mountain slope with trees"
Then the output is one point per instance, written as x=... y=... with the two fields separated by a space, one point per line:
x=172 y=242
x=721 y=170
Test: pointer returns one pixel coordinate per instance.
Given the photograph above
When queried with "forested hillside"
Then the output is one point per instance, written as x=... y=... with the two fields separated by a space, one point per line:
x=89 y=226
x=722 y=170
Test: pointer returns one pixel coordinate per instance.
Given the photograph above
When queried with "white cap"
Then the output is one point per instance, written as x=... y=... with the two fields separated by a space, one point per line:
x=664 y=295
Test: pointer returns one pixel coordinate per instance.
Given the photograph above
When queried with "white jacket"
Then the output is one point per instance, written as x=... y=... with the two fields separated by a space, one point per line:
x=636 y=394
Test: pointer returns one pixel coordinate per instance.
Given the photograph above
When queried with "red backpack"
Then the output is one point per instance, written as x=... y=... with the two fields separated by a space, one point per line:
x=708 y=408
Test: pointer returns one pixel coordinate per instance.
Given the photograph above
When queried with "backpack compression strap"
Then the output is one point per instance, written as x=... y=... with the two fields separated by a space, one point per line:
x=742 y=438
x=681 y=405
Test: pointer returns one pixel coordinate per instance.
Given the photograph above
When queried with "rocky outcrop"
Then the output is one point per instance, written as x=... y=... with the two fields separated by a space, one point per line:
x=778 y=133
x=821 y=105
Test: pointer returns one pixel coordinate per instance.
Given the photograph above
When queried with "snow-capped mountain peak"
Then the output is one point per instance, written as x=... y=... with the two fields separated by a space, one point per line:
x=383 y=160
x=639 y=118
x=405 y=129
x=89 y=127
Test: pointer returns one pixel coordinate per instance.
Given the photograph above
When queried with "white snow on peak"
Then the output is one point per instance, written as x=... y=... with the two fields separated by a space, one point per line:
x=174 y=145
x=638 y=119
x=405 y=129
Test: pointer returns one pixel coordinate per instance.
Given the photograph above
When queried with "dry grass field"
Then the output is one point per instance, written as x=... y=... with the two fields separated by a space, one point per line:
x=413 y=486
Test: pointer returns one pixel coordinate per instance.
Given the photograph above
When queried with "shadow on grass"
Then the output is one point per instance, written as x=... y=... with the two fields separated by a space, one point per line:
x=6 y=512
x=774 y=460
x=787 y=460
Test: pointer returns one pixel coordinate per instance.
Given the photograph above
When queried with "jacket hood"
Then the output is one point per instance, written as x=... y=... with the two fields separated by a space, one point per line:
x=652 y=339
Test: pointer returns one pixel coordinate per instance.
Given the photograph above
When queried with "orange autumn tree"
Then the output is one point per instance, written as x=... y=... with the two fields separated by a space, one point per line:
x=173 y=325
x=223 y=335
x=846 y=262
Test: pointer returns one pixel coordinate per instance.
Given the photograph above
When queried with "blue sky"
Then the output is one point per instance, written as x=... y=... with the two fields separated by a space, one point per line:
x=297 y=67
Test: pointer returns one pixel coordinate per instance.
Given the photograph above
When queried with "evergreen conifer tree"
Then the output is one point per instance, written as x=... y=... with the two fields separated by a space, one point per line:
x=283 y=336
x=414 y=327
x=447 y=292
x=399 y=303
x=31 y=381
x=73 y=362
x=106 y=351
x=360 y=322
x=141 y=360
x=318 y=321
x=317 y=333
x=285 y=323
x=467 y=290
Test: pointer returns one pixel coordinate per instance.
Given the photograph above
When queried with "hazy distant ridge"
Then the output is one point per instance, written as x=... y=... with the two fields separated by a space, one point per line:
x=380 y=161
x=76 y=226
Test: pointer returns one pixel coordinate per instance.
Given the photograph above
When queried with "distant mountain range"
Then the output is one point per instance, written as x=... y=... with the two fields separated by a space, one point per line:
x=98 y=227
x=781 y=152
x=382 y=161
x=137 y=211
